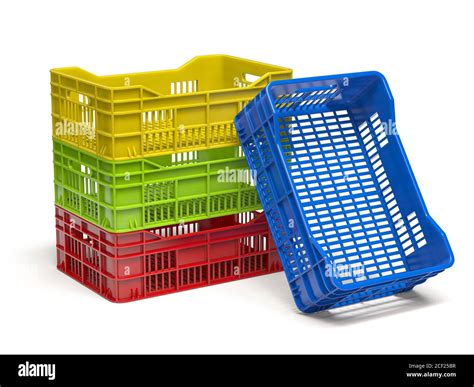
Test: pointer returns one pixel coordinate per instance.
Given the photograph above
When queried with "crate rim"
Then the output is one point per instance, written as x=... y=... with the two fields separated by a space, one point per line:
x=144 y=160
x=259 y=215
x=358 y=74
x=64 y=71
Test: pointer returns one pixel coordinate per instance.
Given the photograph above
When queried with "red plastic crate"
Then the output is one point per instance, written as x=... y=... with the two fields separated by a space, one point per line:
x=131 y=266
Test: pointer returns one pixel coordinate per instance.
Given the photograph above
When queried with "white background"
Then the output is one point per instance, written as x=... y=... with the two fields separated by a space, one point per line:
x=423 y=48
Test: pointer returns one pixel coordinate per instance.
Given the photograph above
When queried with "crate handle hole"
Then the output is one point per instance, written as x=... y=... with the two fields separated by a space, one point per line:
x=250 y=78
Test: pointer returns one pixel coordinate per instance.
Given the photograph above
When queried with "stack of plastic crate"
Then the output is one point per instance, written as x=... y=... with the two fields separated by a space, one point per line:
x=153 y=194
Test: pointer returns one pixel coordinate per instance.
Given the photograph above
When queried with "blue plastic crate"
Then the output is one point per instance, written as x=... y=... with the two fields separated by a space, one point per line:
x=340 y=197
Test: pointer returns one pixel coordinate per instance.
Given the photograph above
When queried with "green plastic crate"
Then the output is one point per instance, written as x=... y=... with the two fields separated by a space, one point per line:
x=137 y=194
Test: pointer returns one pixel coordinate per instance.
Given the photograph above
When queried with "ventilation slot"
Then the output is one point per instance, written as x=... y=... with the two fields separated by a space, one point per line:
x=306 y=99
x=379 y=130
x=184 y=157
x=158 y=120
x=89 y=187
x=183 y=87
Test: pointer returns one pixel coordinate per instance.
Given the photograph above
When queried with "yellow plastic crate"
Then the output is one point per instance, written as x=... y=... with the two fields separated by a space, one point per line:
x=122 y=117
